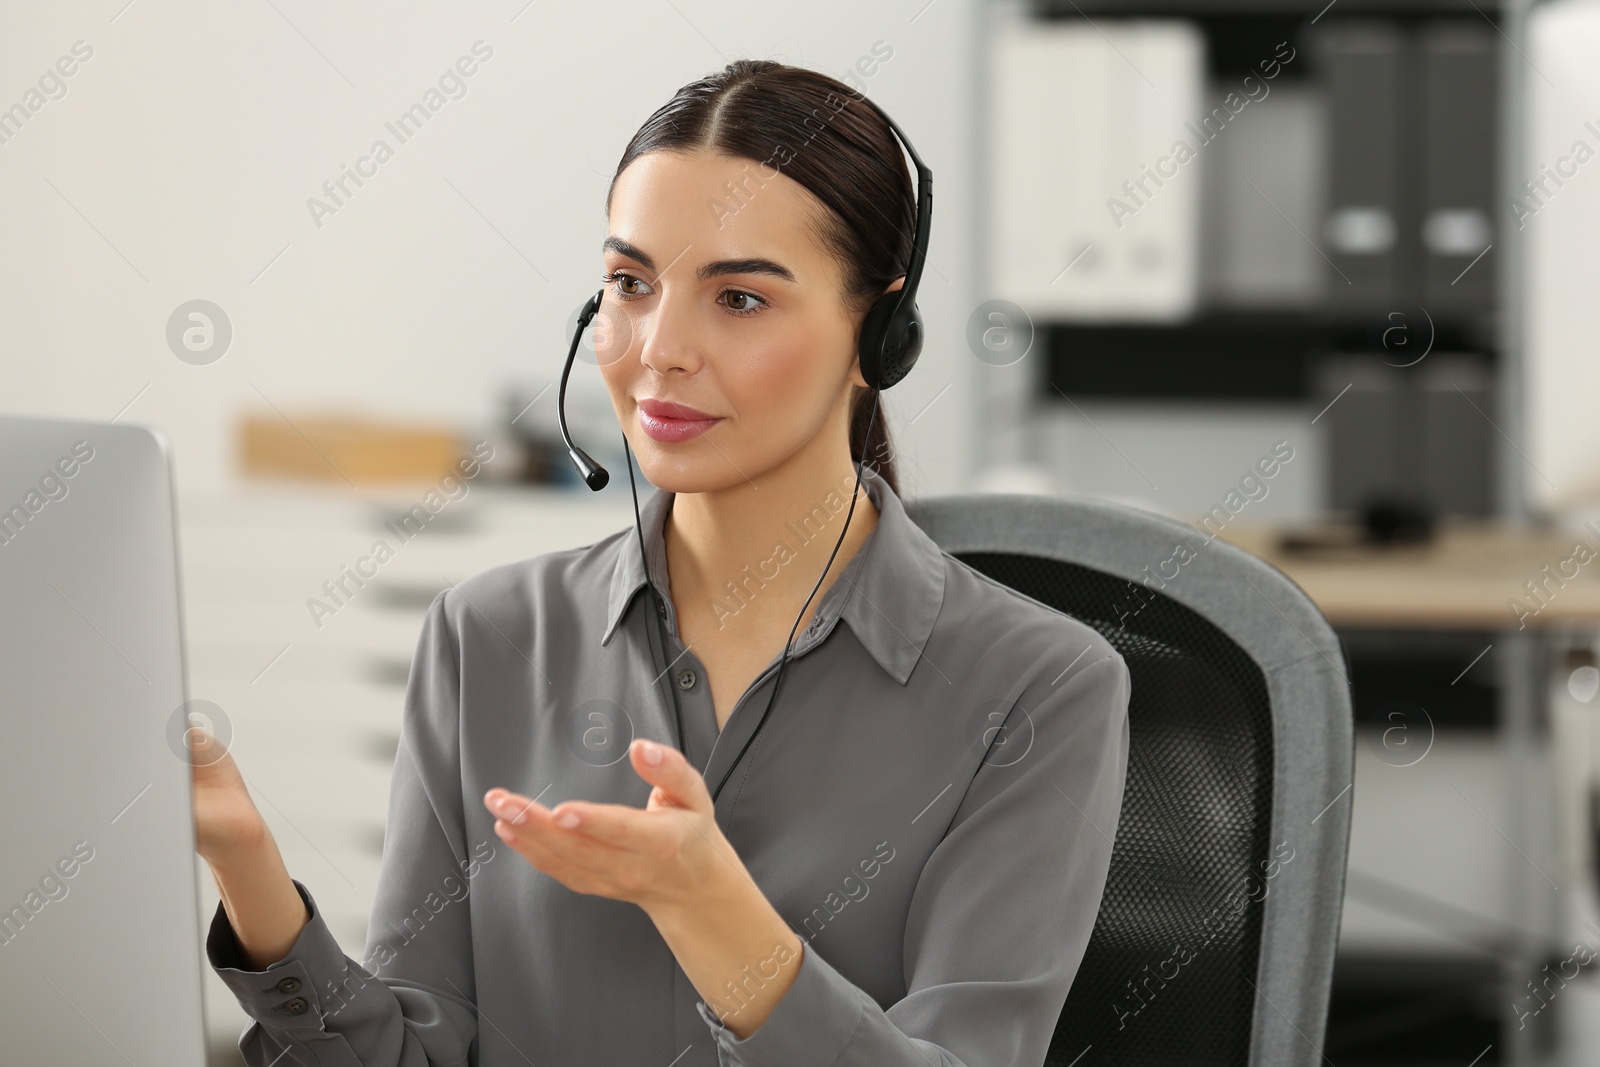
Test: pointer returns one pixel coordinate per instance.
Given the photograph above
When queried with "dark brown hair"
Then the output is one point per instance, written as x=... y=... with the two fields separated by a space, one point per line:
x=826 y=136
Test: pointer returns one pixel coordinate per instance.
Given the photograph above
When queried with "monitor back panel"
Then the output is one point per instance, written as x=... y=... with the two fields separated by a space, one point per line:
x=99 y=934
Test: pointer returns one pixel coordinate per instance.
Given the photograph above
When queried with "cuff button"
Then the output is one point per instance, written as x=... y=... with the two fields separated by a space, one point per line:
x=297 y=1006
x=289 y=985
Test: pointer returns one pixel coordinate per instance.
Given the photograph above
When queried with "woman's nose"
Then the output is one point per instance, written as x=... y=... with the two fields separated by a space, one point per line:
x=669 y=336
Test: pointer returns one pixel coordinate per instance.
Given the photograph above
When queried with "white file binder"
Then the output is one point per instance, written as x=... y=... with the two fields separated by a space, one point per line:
x=1086 y=220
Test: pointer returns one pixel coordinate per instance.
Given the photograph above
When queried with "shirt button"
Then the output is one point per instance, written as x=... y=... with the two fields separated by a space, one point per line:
x=297 y=1006
x=289 y=985
x=686 y=678
x=661 y=608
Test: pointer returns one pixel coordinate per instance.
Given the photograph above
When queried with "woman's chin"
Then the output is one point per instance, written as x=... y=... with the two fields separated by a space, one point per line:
x=684 y=475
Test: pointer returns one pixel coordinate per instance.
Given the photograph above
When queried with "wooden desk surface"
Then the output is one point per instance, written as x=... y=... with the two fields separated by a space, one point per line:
x=1469 y=577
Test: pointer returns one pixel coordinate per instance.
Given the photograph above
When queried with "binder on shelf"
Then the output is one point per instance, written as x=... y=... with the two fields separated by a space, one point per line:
x=1363 y=423
x=1457 y=391
x=1459 y=116
x=1412 y=434
x=1094 y=211
x=1365 y=229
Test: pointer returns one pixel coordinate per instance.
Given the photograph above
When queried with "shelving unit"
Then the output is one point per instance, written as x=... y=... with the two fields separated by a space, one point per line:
x=1362 y=193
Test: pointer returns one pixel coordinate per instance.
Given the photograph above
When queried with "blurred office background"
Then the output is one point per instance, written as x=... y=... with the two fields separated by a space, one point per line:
x=1371 y=259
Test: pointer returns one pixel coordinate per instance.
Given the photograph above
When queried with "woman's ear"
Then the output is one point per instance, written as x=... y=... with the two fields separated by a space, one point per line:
x=855 y=368
x=855 y=365
x=856 y=377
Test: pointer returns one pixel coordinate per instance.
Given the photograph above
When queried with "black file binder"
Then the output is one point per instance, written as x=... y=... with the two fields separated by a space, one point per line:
x=1365 y=231
x=1459 y=118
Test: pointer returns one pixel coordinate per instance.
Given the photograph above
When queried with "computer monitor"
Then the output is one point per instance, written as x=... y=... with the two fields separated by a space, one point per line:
x=99 y=936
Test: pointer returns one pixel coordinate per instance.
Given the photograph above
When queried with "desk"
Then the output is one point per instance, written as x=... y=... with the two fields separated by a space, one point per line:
x=1412 y=824
x=1463 y=580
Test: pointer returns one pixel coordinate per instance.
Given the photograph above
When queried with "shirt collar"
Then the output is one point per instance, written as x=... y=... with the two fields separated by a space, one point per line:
x=890 y=593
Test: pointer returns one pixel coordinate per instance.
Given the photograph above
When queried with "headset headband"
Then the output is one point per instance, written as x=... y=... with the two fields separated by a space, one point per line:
x=919 y=240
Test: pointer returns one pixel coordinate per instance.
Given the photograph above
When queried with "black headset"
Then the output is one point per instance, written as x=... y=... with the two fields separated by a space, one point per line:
x=891 y=341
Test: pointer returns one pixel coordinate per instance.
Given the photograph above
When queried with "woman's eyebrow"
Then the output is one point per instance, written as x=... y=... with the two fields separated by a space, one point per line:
x=753 y=265
x=748 y=265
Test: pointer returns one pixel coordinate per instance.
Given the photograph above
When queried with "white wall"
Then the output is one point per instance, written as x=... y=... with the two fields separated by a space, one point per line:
x=179 y=162
x=1554 y=208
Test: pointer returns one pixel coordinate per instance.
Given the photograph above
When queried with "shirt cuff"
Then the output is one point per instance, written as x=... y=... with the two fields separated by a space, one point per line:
x=284 y=996
x=811 y=1025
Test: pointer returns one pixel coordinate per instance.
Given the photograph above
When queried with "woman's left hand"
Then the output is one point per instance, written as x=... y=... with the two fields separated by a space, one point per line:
x=668 y=853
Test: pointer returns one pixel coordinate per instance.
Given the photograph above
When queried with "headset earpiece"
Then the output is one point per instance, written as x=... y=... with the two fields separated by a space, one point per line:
x=891 y=340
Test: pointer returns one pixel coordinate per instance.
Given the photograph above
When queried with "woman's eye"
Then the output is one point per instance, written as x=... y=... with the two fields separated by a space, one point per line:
x=620 y=280
x=753 y=302
x=736 y=301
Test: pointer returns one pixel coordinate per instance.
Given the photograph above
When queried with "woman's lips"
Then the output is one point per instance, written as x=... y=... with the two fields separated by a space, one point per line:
x=657 y=420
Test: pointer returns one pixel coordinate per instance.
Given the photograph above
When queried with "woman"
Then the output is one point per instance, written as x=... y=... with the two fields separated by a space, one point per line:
x=905 y=866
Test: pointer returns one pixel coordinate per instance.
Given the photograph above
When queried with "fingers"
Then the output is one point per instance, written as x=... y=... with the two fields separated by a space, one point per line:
x=551 y=863
x=513 y=807
x=612 y=850
x=570 y=856
x=611 y=824
x=521 y=819
x=674 y=777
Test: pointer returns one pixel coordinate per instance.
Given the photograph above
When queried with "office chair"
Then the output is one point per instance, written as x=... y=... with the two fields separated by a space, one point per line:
x=1215 y=939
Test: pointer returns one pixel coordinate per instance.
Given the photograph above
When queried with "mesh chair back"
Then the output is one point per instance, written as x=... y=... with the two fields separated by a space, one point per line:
x=1214 y=941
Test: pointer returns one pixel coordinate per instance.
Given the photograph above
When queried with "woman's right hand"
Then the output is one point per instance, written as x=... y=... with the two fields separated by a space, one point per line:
x=263 y=906
x=226 y=821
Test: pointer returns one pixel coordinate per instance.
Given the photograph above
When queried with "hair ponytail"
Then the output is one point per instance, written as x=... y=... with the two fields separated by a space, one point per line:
x=875 y=451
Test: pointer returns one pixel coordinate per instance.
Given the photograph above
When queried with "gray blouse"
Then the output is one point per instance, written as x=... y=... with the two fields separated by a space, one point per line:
x=930 y=806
